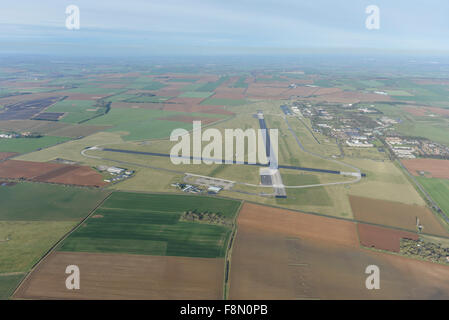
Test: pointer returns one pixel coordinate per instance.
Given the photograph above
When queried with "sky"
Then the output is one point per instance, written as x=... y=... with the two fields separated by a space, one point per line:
x=214 y=27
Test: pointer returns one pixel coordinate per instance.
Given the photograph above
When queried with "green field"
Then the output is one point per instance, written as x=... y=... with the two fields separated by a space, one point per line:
x=146 y=99
x=171 y=203
x=72 y=106
x=194 y=94
x=24 y=145
x=44 y=202
x=149 y=224
x=438 y=189
x=314 y=196
x=8 y=283
x=145 y=83
x=28 y=242
x=402 y=93
x=33 y=218
x=94 y=90
x=211 y=86
x=140 y=124
x=240 y=83
x=77 y=110
x=224 y=102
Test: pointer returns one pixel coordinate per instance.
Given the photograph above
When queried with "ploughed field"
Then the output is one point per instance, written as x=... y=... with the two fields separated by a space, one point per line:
x=126 y=276
x=51 y=172
x=395 y=214
x=281 y=254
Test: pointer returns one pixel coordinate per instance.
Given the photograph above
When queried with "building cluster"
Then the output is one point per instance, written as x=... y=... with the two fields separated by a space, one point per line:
x=116 y=174
x=189 y=188
x=13 y=135
x=410 y=148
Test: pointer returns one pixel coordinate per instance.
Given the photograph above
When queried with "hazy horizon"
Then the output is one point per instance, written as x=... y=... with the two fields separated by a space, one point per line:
x=195 y=27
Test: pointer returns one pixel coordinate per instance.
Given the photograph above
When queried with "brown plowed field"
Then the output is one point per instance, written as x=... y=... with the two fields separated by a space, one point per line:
x=265 y=91
x=395 y=214
x=383 y=238
x=229 y=93
x=273 y=260
x=51 y=172
x=188 y=101
x=436 y=167
x=17 y=169
x=5 y=155
x=125 y=276
x=351 y=97
x=297 y=224
x=424 y=111
x=301 y=91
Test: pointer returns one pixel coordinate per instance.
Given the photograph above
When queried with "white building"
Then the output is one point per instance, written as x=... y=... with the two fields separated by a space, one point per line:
x=115 y=170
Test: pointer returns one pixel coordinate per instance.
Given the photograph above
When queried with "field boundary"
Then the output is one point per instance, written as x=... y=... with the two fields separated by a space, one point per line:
x=228 y=254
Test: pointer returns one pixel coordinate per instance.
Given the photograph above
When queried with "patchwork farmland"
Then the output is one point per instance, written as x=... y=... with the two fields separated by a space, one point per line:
x=147 y=230
x=157 y=241
x=33 y=218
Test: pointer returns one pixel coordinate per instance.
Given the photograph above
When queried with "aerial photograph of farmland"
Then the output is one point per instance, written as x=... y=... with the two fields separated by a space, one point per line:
x=224 y=150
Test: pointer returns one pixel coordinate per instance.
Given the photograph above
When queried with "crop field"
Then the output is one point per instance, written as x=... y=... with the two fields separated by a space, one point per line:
x=384 y=181
x=438 y=190
x=150 y=224
x=135 y=277
x=195 y=94
x=140 y=124
x=71 y=150
x=396 y=214
x=432 y=168
x=47 y=202
x=51 y=172
x=23 y=110
x=28 y=242
x=81 y=109
x=33 y=218
x=299 y=263
x=24 y=145
x=5 y=155
x=224 y=102
x=8 y=282
x=41 y=126
x=382 y=238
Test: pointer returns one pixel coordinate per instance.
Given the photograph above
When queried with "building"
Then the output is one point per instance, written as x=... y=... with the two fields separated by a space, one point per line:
x=115 y=170
x=214 y=189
